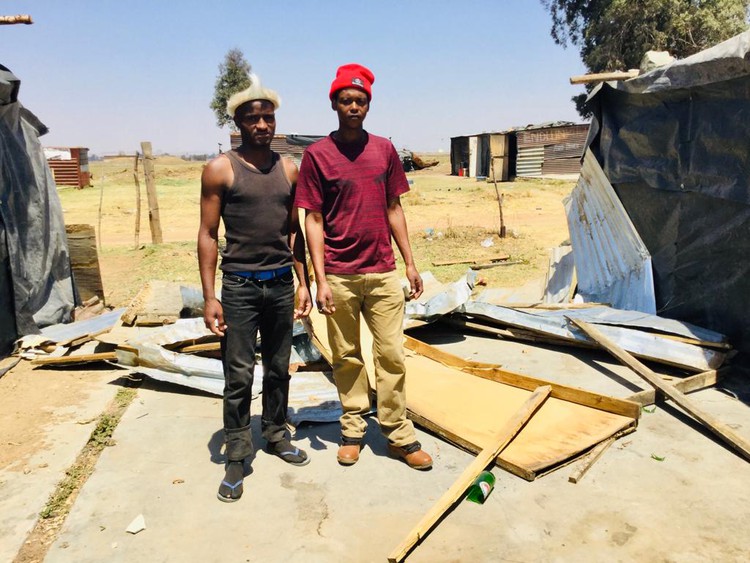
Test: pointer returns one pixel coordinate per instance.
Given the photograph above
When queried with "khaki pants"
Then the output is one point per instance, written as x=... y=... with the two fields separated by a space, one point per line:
x=380 y=300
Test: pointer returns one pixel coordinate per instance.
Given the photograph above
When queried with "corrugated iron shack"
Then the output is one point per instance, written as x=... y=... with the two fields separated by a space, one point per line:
x=473 y=155
x=550 y=149
x=291 y=146
x=547 y=149
x=69 y=165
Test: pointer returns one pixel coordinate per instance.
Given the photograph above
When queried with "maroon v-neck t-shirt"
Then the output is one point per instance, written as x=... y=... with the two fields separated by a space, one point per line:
x=351 y=185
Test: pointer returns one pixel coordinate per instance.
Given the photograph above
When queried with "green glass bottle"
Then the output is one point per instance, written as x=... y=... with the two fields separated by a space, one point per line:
x=481 y=487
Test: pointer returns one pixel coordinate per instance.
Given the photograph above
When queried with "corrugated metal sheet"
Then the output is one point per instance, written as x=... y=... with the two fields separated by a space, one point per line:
x=641 y=344
x=612 y=263
x=73 y=171
x=561 y=166
x=278 y=144
x=529 y=161
x=552 y=135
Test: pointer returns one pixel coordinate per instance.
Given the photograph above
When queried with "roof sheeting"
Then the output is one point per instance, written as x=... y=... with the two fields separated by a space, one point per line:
x=612 y=263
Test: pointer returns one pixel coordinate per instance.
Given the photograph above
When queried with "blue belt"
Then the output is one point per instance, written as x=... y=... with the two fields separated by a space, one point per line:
x=263 y=275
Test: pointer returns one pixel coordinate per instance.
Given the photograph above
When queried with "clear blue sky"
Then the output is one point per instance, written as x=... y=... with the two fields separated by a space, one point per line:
x=109 y=74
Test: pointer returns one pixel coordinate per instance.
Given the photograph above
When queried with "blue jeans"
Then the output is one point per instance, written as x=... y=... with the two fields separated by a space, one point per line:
x=251 y=305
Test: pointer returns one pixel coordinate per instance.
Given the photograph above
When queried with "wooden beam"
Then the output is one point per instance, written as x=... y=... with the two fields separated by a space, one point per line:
x=471 y=260
x=721 y=430
x=11 y=20
x=595 y=453
x=83 y=358
x=686 y=385
x=153 y=202
x=137 y=201
x=457 y=490
x=604 y=76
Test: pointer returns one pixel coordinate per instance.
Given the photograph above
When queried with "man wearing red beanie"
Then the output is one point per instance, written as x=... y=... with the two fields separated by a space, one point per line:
x=350 y=185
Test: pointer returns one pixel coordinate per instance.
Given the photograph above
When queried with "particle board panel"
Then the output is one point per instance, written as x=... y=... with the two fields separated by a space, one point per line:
x=475 y=408
x=468 y=402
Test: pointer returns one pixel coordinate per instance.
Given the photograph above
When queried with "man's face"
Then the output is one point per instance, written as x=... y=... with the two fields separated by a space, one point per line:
x=352 y=106
x=256 y=121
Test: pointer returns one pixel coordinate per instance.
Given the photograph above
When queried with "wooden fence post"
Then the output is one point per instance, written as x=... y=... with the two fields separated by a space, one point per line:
x=137 y=199
x=153 y=203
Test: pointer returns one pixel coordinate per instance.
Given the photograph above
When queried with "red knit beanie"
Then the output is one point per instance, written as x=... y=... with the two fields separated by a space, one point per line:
x=353 y=76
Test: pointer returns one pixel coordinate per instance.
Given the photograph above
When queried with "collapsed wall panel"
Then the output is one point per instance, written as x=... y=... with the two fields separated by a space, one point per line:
x=468 y=408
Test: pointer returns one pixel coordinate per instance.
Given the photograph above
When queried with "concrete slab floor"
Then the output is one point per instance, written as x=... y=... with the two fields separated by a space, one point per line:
x=70 y=402
x=166 y=465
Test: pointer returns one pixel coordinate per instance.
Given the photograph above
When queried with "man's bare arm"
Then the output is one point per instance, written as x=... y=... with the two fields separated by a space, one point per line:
x=297 y=244
x=316 y=244
x=400 y=232
x=215 y=178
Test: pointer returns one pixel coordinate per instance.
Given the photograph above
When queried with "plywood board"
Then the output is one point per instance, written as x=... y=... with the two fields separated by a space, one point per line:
x=468 y=409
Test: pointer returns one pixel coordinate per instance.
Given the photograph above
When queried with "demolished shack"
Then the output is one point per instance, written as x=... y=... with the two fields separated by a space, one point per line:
x=674 y=145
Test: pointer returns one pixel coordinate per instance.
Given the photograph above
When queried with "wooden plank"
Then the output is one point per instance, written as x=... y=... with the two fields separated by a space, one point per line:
x=695 y=341
x=153 y=202
x=686 y=385
x=137 y=200
x=721 y=430
x=11 y=20
x=604 y=76
x=472 y=260
x=84 y=261
x=590 y=459
x=457 y=490
x=205 y=347
x=83 y=358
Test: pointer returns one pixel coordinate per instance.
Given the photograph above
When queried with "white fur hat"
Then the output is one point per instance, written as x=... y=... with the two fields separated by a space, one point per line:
x=255 y=91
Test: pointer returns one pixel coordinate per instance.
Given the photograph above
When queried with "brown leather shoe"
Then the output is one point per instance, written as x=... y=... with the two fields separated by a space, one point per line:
x=418 y=459
x=348 y=454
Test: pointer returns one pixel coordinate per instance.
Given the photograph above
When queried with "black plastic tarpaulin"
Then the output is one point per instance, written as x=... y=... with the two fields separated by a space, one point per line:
x=36 y=287
x=675 y=145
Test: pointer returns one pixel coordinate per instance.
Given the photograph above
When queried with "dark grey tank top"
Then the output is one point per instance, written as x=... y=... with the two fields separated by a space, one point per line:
x=255 y=211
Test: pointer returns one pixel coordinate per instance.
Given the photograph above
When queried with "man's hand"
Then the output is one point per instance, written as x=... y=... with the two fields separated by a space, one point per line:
x=324 y=298
x=304 y=302
x=415 y=282
x=213 y=316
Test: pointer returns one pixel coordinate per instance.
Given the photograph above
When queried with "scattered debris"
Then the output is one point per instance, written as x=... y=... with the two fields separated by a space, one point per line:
x=496 y=445
x=137 y=525
x=590 y=459
x=724 y=433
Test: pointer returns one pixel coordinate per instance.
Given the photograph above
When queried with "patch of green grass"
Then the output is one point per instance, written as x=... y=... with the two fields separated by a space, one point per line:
x=101 y=437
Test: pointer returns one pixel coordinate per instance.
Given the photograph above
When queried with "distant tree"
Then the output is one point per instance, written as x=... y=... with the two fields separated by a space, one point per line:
x=615 y=34
x=234 y=76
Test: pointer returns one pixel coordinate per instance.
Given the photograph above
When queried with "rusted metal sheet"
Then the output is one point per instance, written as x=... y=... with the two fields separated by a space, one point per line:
x=69 y=166
x=552 y=135
x=279 y=144
x=530 y=161
x=612 y=263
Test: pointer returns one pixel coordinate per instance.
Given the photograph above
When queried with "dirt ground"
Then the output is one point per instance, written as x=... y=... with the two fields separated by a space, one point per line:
x=460 y=213
x=449 y=218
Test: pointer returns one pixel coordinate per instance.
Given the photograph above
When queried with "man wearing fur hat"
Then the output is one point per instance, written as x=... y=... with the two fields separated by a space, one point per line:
x=350 y=184
x=251 y=189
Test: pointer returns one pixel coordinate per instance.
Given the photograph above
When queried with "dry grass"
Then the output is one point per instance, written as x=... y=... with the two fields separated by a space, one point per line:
x=463 y=210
